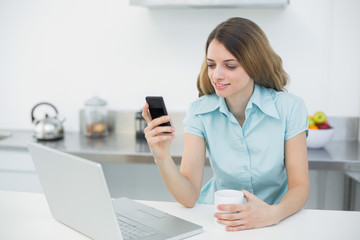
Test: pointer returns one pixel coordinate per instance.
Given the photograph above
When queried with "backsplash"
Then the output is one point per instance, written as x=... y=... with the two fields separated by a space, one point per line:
x=124 y=122
x=346 y=128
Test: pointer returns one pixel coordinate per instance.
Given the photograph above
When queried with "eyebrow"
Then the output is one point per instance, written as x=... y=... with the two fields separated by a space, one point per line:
x=227 y=60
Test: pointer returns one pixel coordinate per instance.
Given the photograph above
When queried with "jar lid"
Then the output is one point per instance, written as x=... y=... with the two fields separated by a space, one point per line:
x=95 y=101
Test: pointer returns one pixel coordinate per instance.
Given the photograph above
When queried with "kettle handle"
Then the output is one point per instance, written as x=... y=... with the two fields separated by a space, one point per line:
x=41 y=103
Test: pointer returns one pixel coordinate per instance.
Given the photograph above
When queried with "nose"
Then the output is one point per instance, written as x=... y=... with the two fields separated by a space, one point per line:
x=218 y=73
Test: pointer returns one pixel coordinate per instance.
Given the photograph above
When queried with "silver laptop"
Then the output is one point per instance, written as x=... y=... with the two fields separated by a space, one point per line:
x=78 y=196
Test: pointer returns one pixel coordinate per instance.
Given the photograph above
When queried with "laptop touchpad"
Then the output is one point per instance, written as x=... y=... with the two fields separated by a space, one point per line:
x=149 y=214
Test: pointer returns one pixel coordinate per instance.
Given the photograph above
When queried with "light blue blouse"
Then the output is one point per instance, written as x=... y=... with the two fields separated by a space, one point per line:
x=250 y=157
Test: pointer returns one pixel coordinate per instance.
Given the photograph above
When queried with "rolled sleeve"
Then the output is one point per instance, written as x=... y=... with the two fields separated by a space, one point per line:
x=297 y=120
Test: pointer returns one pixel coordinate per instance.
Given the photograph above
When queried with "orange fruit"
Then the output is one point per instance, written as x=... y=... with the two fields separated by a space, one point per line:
x=314 y=127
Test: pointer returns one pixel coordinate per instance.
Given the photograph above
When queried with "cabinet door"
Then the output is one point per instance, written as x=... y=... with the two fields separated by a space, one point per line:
x=326 y=190
x=17 y=171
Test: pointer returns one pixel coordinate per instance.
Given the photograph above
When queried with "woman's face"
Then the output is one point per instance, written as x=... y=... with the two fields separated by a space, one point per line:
x=226 y=74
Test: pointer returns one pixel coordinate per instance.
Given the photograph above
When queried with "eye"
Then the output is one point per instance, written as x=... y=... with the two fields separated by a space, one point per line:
x=231 y=66
x=211 y=65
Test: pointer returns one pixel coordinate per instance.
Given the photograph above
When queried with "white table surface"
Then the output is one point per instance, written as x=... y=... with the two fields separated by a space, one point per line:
x=27 y=216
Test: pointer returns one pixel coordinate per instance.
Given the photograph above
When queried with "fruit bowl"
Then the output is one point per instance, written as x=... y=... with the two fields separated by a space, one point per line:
x=318 y=138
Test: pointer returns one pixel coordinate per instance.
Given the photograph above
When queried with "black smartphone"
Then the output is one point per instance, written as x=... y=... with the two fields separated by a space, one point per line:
x=157 y=108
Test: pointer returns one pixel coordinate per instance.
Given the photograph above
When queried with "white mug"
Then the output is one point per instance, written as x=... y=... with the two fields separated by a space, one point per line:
x=227 y=196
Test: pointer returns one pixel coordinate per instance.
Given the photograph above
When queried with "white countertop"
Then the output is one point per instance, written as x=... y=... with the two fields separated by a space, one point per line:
x=27 y=216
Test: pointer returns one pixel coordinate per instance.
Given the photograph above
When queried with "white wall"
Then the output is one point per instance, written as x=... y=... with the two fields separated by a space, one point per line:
x=63 y=51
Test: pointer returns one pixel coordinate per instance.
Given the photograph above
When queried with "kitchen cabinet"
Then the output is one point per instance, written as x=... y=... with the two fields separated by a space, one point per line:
x=352 y=191
x=17 y=172
x=326 y=190
x=139 y=181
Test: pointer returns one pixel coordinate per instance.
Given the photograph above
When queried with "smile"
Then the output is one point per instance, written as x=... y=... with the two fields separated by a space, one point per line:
x=221 y=86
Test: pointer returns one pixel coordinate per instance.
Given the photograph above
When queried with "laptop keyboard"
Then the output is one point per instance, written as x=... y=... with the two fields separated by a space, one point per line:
x=133 y=230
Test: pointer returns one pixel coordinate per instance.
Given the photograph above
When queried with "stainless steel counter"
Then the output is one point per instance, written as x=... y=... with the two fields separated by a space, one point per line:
x=113 y=148
x=337 y=155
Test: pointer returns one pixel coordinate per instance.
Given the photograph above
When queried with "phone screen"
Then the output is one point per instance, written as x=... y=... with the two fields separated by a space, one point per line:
x=157 y=108
x=156 y=112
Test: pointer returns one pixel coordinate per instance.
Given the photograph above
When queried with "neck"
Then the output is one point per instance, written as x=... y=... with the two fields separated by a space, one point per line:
x=237 y=103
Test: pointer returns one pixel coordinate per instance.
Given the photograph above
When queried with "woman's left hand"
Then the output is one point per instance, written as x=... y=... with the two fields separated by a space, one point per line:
x=253 y=214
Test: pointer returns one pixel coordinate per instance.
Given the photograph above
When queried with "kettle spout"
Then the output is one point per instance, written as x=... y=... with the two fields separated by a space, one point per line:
x=61 y=119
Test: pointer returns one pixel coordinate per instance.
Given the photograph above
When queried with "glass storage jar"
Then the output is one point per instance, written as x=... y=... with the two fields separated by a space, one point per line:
x=95 y=118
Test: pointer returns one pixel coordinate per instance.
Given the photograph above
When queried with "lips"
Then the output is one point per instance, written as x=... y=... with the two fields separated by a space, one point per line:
x=221 y=86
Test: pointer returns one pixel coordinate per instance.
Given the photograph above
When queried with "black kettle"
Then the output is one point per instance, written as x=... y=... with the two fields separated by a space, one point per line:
x=47 y=128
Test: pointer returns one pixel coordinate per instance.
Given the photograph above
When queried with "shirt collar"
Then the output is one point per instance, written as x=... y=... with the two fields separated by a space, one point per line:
x=263 y=99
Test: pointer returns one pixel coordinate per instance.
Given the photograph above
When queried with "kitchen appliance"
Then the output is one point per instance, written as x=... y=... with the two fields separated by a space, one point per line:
x=210 y=3
x=140 y=125
x=49 y=127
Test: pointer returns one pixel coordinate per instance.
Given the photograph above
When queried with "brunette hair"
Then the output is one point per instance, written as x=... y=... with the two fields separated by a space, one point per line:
x=248 y=43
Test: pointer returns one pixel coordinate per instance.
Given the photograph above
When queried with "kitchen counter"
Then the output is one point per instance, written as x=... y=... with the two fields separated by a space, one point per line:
x=337 y=155
x=113 y=148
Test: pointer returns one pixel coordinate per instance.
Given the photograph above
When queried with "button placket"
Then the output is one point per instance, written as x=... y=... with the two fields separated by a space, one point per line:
x=248 y=164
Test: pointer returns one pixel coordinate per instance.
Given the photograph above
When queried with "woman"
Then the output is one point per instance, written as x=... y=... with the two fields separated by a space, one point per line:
x=254 y=132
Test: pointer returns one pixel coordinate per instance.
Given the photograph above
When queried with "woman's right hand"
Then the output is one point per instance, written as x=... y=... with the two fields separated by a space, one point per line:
x=158 y=137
